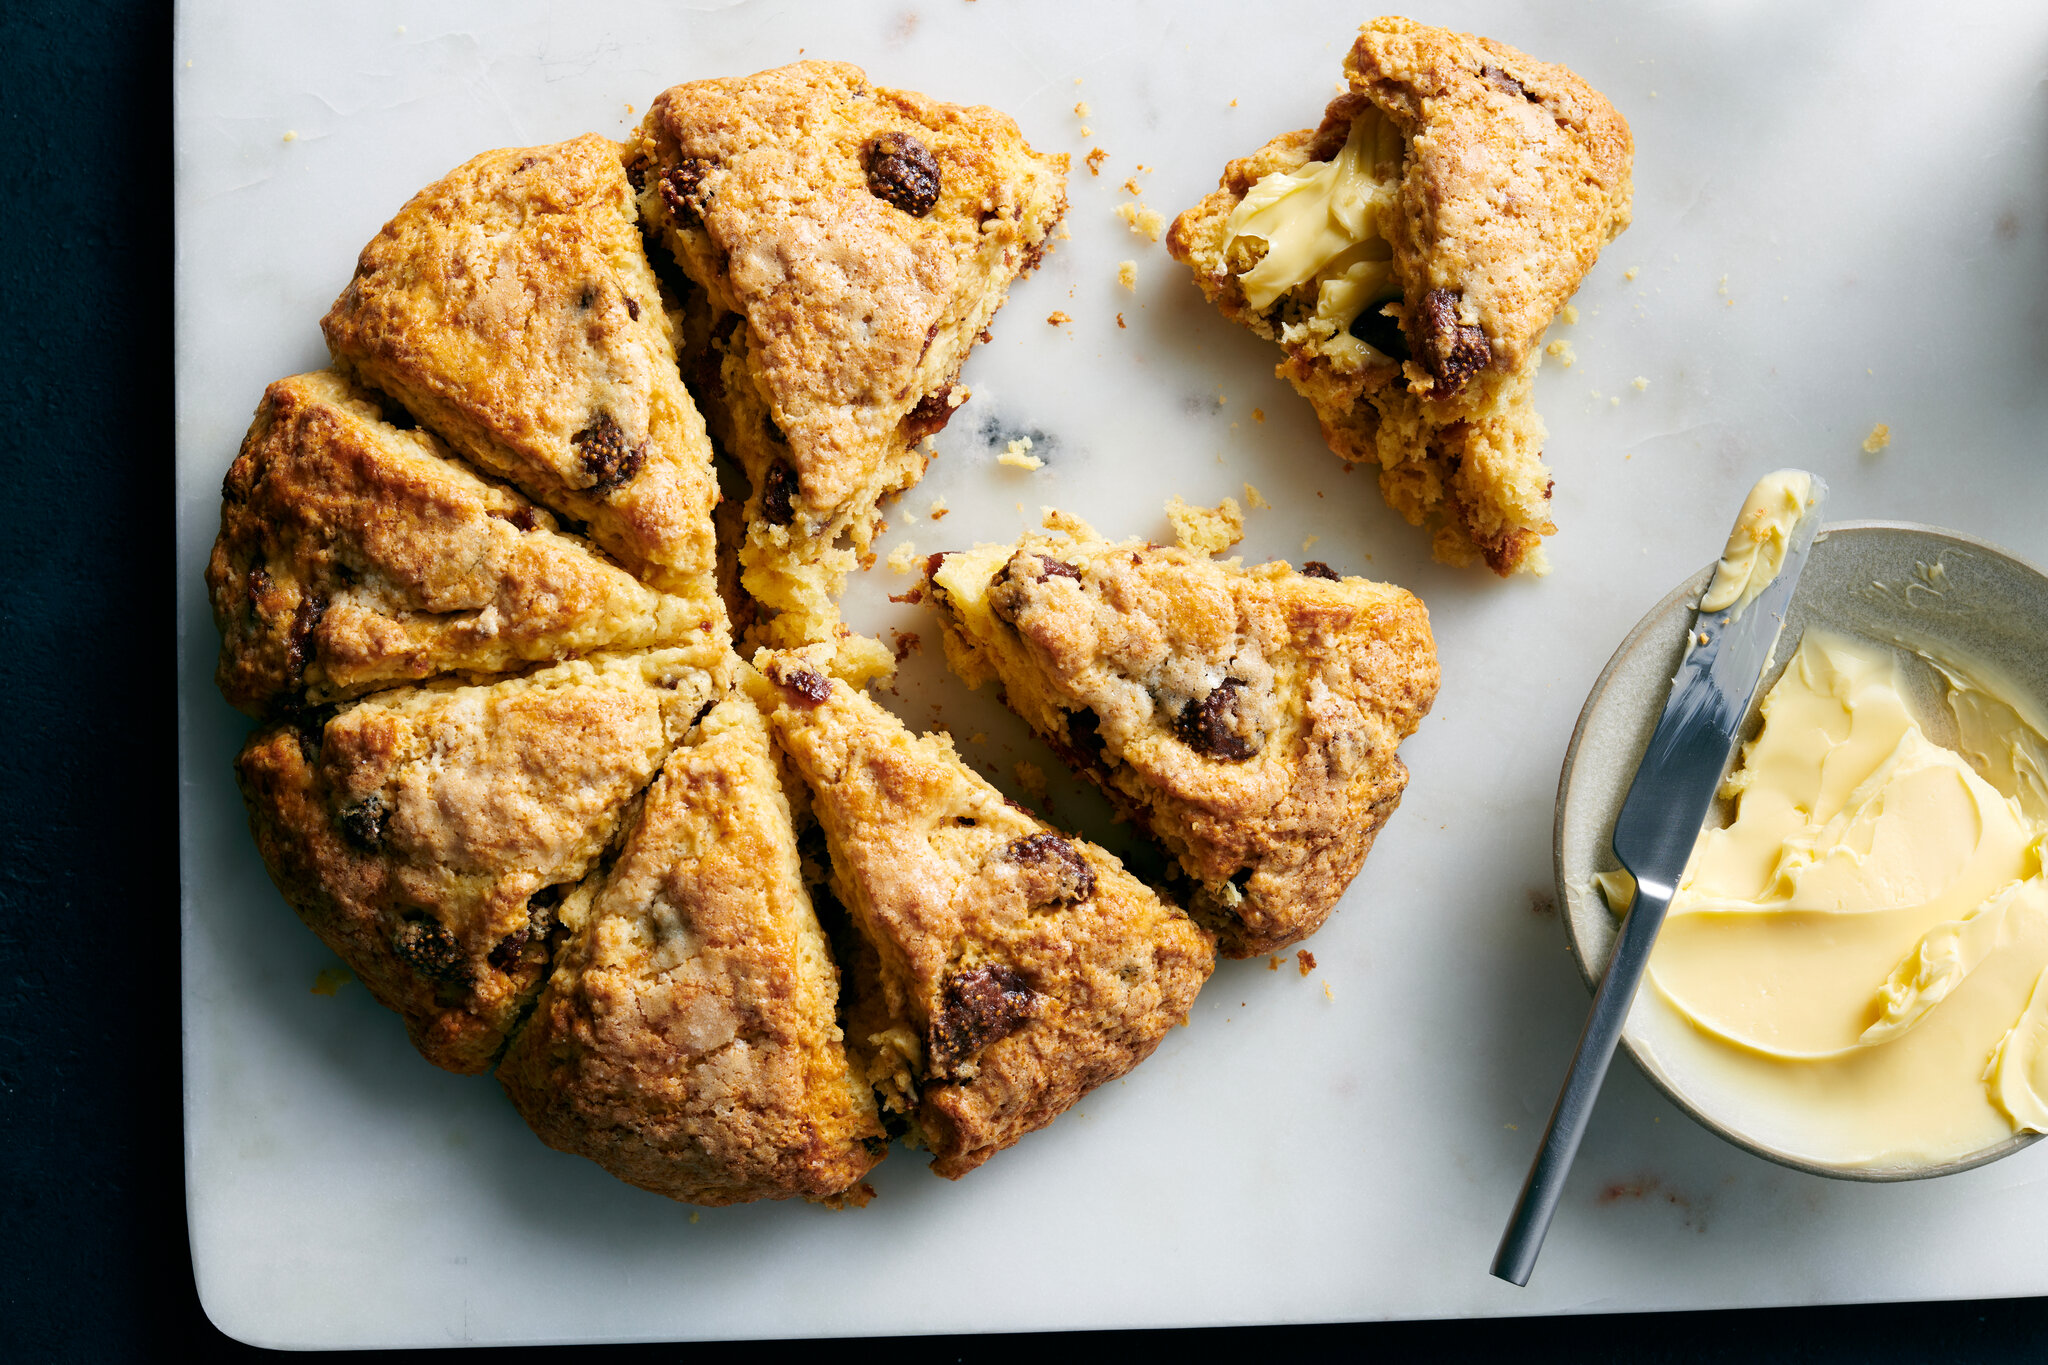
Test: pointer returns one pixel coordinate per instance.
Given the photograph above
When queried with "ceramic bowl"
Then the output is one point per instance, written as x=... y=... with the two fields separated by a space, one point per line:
x=1882 y=580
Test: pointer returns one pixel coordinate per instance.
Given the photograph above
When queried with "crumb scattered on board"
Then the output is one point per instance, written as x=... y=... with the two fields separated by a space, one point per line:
x=1307 y=960
x=1631 y=272
x=328 y=980
x=1564 y=353
x=1058 y=319
x=1309 y=544
x=1206 y=530
x=1880 y=436
x=1127 y=275
x=1031 y=778
x=1018 y=455
x=905 y=642
x=1121 y=325
x=1081 y=109
x=1258 y=414
x=903 y=559
x=1639 y=383
x=939 y=509
x=1095 y=160
x=1142 y=220
x=1256 y=500
x=1570 y=315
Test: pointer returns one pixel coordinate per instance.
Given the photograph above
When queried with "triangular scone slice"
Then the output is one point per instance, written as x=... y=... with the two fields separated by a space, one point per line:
x=1247 y=718
x=854 y=243
x=510 y=306
x=1409 y=253
x=426 y=833
x=353 y=555
x=1018 y=968
x=688 y=1039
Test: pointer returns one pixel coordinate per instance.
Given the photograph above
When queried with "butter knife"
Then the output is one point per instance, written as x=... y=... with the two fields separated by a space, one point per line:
x=1730 y=645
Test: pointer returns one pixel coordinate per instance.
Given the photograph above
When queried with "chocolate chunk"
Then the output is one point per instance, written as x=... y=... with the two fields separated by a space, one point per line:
x=1075 y=879
x=930 y=415
x=977 y=1006
x=363 y=823
x=902 y=171
x=636 y=173
x=1315 y=568
x=1210 y=726
x=298 y=645
x=259 y=588
x=606 y=457
x=428 y=948
x=1380 y=332
x=804 y=686
x=1056 y=568
x=633 y=309
x=779 y=493
x=684 y=192
x=1453 y=351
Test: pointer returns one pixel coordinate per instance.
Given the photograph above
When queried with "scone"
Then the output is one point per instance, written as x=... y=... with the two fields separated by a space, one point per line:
x=688 y=1040
x=1012 y=969
x=354 y=554
x=427 y=833
x=1408 y=254
x=1247 y=717
x=510 y=307
x=853 y=243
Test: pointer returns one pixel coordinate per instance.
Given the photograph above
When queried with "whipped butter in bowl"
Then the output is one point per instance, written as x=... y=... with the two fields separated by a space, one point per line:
x=1853 y=978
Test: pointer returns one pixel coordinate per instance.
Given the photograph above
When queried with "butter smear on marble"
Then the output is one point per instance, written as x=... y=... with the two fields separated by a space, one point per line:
x=1863 y=948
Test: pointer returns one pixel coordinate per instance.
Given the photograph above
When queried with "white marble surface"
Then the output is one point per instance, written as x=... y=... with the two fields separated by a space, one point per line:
x=1840 y=220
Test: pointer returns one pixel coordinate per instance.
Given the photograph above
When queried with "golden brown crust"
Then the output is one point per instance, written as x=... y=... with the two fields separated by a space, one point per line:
x=1515 y=175
x=1247 y=717
x=353 y=554
x=416 y=830
x=851 y=278
x=688 y=1039
x=511 y=307
x=1020 y=968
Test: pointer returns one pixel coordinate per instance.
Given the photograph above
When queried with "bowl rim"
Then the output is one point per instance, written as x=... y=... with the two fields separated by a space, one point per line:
x=1634 y=640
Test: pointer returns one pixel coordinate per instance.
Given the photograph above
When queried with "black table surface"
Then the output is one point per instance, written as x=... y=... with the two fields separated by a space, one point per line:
x=94 y=1257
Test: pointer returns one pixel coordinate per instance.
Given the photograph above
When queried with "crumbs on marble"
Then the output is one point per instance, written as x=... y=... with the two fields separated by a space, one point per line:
x=1328 y=994
x=1631 y=272
x=1258 y=414
x=1031 y=778
x=906 y=641
x=903 y=559
x=1880 y=436
x=1639 y=383
x=1206 y=530
x=1563 y=351
x=1095 y=160
x=328 y=980
x=1144 y=221
x=1081 y=109
x=1018 y=455
x=1256 y=500
x=1058 y=319
x=1570 y=315
x=1127 y=275
x=1120 y=322
x=1309 y=544
x=1307 y=960
x=939 y=509
x=291 y=135
x=1132 y=188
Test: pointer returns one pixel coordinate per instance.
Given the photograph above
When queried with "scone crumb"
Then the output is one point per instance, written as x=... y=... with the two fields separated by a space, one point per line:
x=1095 y=160
x=1631 y=272
x=1273 y=963
x=1031 y=778
x=291 y=135
x=1233 y=104
x=1569 y=314
x=903 y=559
x=1018 y=455
x=1258 y=414
x=1081 y=109
x=1880 y=436
x=1120 y=321
x=1307 y=960
x=1206 y=530
x=328 y=980
x=694 y=1215
x=1131 y=187
x=1564 y=353
x=939 y=509
x=1058 y=319
x=1142 y=220
x=911 y=598
x=1639 y=383
x=1310 y=543
x=1256 y=500
x=1127 y=275
x=1328 y=994
x=905 y=642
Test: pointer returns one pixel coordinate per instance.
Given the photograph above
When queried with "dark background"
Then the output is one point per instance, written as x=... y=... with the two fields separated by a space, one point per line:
x=94 y=1261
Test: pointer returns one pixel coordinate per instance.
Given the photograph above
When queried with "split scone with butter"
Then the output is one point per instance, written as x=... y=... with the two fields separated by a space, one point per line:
x=1246 y=717
x=852 y=244
x=688 y=1040
x=1408 y=253
x=510 y=306
x=354 y=554
x=426 y=834
x=1009 y=969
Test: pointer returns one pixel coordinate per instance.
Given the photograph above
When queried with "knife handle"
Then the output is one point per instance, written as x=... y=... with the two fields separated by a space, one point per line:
x=1574 y=1109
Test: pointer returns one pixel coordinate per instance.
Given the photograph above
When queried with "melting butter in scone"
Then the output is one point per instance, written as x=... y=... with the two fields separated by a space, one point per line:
x=1860 y=952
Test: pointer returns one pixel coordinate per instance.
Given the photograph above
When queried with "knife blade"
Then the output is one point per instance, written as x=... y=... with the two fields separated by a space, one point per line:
x=1727 y=651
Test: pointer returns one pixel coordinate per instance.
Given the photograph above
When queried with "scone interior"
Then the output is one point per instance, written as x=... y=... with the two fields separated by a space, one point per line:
x=1408 y=254
x=1007 y=969
x=853 y=243
x=427 y=834
x=511 y=307
x=688 y=1039
x=1248 y=718
x=355 y=554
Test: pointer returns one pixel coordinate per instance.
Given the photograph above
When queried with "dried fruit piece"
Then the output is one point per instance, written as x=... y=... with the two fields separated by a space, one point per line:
x=930 y=415
x=1315 y=568
x=682 y=189
x=779 y=494
x=429 y=949
x=363 y=823
x=606 y=457
x=1076 y=880
x=1210 y=726
x=902 y=171
x=978 y=1006
x=1453 y=351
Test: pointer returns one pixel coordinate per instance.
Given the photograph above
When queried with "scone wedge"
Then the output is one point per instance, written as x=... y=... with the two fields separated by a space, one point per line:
x=510 y=306
x=1009 y=969
x=1408 y=253
x=1247 y=717
x=426 y=834
x=354 y=554
x=688 y=1039
x=852 y=244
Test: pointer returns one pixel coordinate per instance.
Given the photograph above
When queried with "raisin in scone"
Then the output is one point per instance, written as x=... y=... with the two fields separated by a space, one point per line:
x=426 y=833
x=1408 y=254
x=510 y=307
x=1247 y=717
x=1016 y=968
x=688 y=1039
x=854 y=243
x=354 y=554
